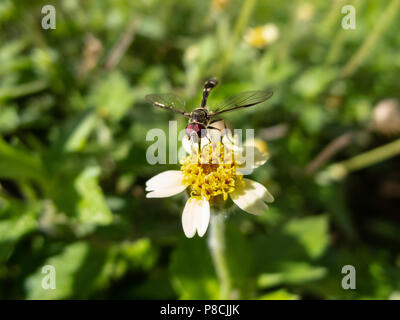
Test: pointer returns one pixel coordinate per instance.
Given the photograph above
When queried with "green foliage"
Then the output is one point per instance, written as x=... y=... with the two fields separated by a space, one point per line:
x=192 y=271
x=13 y=226
x=73 y=125
x=311 y=232
x=112 y=96
x=279 y=295
x=304 y=240
x=66 y=265
x=92 y=206
x=17 y=164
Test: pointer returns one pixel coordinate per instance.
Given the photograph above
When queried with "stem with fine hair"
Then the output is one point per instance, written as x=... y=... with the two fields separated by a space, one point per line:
x=341 y=169
x=216 y=243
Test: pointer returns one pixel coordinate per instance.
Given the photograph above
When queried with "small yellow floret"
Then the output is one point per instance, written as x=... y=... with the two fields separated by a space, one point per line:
x=210 y=174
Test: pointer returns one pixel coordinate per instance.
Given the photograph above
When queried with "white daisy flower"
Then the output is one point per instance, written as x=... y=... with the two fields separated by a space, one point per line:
x=260 y=37
x=215 y=173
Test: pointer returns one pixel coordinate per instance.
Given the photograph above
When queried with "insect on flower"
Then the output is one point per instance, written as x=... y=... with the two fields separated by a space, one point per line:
x=212 y=173
x=202 y=118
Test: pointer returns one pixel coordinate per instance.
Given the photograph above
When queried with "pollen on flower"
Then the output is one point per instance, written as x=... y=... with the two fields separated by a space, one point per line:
x=211 y=173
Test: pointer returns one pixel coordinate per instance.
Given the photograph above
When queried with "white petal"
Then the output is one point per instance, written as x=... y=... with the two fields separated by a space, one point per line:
x=249 y=204
x=192 y=208
x=248 y=155
x=251 y=197
x=187 y=145
x=167 y=192
x=250 y=158
x=260 y=156
x=259 y=190
x=203 y=218
x=165 y=184
x=191 y=147
x=166 y=179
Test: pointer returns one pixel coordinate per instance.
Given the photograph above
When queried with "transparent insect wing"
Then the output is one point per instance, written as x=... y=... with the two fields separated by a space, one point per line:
x=167 y=101
x=243 y=100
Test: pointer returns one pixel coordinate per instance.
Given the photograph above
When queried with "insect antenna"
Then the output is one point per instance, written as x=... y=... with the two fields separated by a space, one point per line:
x=210 y=83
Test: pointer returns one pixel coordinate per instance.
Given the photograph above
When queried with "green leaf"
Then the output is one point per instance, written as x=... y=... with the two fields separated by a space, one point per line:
x=74 y=134
x=139 y=254
x=21 y=90
x=77 y=140
x=12 y=229
x=312 y=233
x=300 y=242
x=92 y=206
x=9 y=119
x=112 y=96
x=80 y=269
x=18 y=164
x=314 y=81
x=192 y=271
x=313 y=118
x=291 y=273
x=66 y=264
x=281 y=294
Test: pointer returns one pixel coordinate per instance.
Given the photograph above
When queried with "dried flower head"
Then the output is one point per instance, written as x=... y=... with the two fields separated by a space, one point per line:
x=386 y=117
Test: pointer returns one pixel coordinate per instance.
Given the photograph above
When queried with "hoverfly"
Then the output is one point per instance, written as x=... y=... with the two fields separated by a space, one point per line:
x=202 y=118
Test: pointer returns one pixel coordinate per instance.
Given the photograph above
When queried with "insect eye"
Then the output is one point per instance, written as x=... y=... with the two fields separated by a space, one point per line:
x=195 y=129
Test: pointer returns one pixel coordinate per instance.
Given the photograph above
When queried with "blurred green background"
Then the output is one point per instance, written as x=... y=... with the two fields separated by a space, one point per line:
x=73 y=122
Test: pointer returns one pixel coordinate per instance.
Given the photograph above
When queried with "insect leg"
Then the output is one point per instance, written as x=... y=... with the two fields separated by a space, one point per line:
x=199 y=146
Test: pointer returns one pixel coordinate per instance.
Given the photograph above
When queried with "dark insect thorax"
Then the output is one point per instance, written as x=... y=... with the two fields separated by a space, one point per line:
x=199 y=115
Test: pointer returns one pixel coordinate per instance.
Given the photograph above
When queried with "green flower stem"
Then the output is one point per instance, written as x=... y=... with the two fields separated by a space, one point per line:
x=337 y=45
x=330 y=20
x=216 y=243
x=366 y=159
x=366 y=48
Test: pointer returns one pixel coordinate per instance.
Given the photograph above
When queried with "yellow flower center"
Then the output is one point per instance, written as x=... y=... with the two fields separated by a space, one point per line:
x=211 y=173
x=256 y=37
